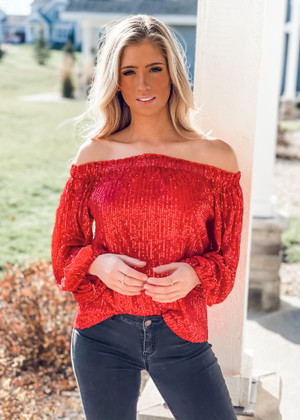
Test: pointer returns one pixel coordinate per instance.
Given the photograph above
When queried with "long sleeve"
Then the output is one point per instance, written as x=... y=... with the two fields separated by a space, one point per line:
x=216 y=268
x=72 y=250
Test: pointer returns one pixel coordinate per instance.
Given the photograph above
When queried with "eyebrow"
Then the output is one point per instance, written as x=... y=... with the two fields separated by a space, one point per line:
x=134 y=67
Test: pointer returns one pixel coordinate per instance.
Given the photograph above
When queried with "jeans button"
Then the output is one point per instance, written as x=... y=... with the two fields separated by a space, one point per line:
x=147 y=323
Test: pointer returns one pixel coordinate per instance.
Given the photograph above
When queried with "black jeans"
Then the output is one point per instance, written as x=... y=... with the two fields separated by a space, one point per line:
x=108 y=358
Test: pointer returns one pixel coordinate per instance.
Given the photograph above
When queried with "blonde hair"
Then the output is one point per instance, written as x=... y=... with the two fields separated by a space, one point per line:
x=106 y=109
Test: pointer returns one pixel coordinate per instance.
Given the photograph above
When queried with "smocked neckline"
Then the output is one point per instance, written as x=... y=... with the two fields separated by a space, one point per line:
x=155 y=160
x=110 y=162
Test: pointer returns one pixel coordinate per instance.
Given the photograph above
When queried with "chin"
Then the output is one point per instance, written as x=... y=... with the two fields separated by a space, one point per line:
x=151 y=110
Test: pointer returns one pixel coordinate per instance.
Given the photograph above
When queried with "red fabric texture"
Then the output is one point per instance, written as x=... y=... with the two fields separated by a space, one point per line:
x=159 y=209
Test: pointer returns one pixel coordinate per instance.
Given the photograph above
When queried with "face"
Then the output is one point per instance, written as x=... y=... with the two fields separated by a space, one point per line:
x=144 y=78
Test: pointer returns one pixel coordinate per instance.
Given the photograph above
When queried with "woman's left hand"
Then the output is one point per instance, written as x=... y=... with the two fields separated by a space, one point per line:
x=178 y=284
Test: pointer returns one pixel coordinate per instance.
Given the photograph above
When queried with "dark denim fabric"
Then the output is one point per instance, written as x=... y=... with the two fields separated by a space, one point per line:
x=108 y=358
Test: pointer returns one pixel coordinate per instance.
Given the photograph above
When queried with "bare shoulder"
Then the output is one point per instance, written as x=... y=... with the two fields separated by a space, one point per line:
x=90 y=151
x=223 y=155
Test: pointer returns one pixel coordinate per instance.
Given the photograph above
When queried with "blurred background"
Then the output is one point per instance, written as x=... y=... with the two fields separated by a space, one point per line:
x=47 y=53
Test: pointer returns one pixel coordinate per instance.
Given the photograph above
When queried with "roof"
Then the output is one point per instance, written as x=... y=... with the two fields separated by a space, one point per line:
x=45 y=17
x=37 y=16
x=154 y=7
x=39 y=3
x=15 y=19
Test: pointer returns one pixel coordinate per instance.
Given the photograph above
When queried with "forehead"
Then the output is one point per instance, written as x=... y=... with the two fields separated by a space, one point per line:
x=143 y=52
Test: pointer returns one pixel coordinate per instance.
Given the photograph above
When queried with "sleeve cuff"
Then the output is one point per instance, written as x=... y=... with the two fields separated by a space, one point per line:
x=205 y=273
x=90 y=286
x=77 y=269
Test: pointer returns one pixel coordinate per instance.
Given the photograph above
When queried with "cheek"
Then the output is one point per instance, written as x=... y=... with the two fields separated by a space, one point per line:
x=164 y=85
x=127 y=90
x=124 y=85
x=164 y=81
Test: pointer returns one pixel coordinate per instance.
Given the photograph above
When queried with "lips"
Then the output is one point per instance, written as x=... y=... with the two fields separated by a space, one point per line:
x=146 y=99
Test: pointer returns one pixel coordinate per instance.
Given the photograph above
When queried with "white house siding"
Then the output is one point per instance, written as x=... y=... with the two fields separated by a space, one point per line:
x=61 y=31
x=32 y=30
x=2 y=29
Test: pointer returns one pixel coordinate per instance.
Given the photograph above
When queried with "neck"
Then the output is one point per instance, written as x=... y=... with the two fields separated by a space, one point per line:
x=154 y=129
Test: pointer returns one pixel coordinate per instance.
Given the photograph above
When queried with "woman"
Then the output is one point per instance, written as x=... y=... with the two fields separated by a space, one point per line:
x=168 y=210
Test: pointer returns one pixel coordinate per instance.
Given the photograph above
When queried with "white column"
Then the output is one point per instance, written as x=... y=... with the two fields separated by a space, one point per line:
x=2 y=34
x=77 y=37
x=86 y=35
x=86 y=62
x=267 y=109
x=292 y=28
x=228 y=54
x=229 y=63
x=28 y=30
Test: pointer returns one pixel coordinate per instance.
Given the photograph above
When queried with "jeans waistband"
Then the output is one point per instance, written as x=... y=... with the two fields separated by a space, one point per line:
x=139 y=320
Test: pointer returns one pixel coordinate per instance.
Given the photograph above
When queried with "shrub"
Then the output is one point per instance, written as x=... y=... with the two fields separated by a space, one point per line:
x=68 y=48
x=66 y=75
x=35 y=330
x=41 y=49
x=67 y=88
x=1 y=52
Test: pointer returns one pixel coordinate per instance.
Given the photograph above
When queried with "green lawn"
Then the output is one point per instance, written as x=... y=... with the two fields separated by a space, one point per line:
x=290 y=125
x=291 y=240
x=35 y=154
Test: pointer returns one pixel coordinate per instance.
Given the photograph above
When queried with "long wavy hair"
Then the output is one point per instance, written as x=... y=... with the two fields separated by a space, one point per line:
x=107 y=112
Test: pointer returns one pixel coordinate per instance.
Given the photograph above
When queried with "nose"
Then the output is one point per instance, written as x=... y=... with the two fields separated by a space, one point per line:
x=143 y=83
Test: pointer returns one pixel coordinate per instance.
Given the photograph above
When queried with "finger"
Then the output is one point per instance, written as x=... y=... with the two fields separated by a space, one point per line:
x=161 y=281
x=131 y=261
x=160 y=289
x=127 y=292
x=131 y=272
x=126 y=284
x=123 y=292
x=131 y=281
x=129 y=288
x=165 y=267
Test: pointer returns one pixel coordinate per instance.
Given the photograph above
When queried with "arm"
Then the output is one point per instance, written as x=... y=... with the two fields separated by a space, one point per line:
x=72 y=250
x=216 y=268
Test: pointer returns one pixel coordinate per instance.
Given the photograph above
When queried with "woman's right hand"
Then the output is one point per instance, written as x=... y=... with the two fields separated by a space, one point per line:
x=110 y=268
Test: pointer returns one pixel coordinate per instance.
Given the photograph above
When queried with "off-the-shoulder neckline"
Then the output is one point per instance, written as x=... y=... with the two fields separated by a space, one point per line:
x=109 y=162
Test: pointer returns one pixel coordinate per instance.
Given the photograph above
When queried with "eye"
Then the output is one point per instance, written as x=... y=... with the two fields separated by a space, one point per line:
x=128 y=72
x=156 y=69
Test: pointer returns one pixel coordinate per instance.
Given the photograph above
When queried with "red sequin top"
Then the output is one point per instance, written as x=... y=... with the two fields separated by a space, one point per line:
x=156 y=208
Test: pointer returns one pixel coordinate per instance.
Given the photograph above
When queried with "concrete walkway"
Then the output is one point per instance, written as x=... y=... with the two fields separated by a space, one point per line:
x=275 y=339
